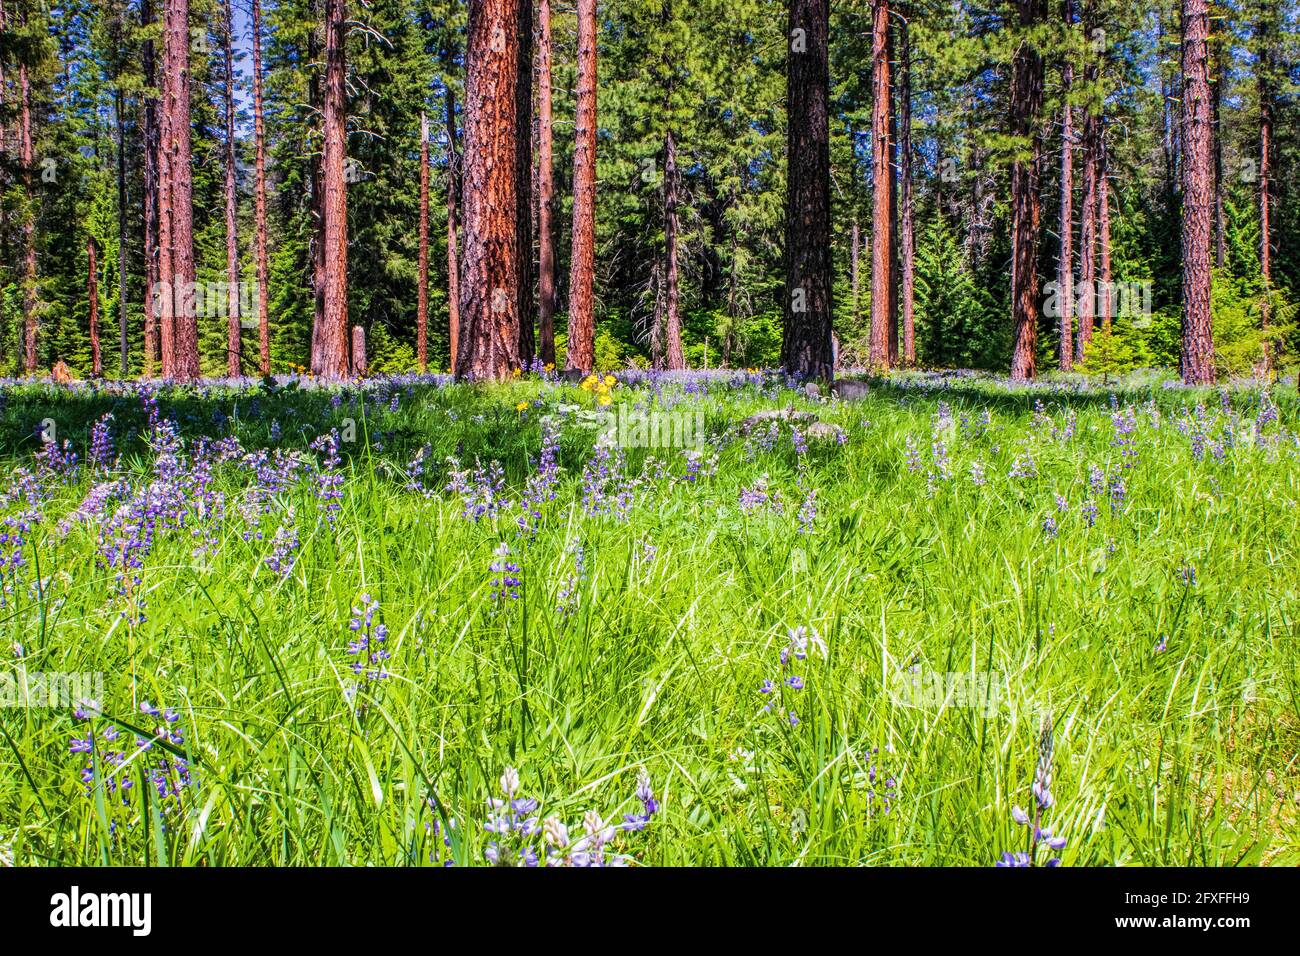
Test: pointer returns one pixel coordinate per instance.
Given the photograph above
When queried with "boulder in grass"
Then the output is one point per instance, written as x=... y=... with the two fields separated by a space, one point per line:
x=850 y=389
x=790 y=414
x=825 y=431
x=573 y=376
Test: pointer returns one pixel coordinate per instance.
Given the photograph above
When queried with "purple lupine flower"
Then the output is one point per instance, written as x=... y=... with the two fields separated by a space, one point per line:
x=506 y=582
x=368 y=646
x=329 y=480
x=101 y=443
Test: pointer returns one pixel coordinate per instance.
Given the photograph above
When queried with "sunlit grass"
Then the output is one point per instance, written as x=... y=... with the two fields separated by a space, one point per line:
x=1180 y=755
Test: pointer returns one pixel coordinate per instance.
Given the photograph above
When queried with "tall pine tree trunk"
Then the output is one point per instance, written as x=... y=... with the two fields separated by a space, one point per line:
x=422 y=267
x=907 y=232
x=331 y=358
x=882 y=189
x=669 y=337
x=1086 y=306
x=31 y=318
x=453 y=223
x=118 y=105
x=1065 y=263
x=150 y=134
x=259 y=201
x=234 y=365
x=489 y=281
x=185 y=332
x=1264 y=81
x=1026 y=102
x=582 y=305
x=1105 y=285
x=165 y=292
x=545 y=191
x=524 y=183
x=92 y=301
x=1196 y=360
x=4 y=208
x=806 y=344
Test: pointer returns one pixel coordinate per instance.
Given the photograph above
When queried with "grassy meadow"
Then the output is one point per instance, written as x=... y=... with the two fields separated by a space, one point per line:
x=414 y=623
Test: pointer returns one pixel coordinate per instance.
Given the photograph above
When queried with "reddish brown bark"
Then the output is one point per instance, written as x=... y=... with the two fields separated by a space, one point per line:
x=422 y=264
x=1026 y=102
x=358 y=350
x=122 y=238
x=164 y=302
x=545 y=191
x=524 y=183
x=806 y=348
x=233 y=346
x=1065 y=227
x=907 y=232
x=1264 y=85
x=1196 y=360
x=4 y=209
x=882 y=189
x=149 y=132
x=259 y=193
x=489 y=282
x=92 y=300
x=453 y=223
x=31 y=319
x=666 y=346
x=1105 y=300
x=1086 y=306
x=582 y=306
x=330 y=360
x=185 y=331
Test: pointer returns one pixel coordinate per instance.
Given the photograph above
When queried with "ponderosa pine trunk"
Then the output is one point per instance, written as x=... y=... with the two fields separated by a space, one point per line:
x=1026 y=102
x=185 y=331
x=453 y=223
x=331 y=359
x=489 y=281
x=1065 y=227
x=582 y=305
x=882 y=189
x=1086 y=305
x=122 y=238
x=1264 y=86
x=31 y=317
x=1196 y=360
x=234 y=364
x=545 y=190
x=1105 y=287
x=165 y=299
x=4 y=209
x=670 y=336
x=150 y=135
x=92 y=301
x=259 y=200
x=524 y=184
x=806 y=349
x=422 y=265
x=906 y=231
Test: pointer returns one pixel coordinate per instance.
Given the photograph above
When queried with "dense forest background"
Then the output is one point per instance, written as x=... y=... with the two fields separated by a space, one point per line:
x=711 y=72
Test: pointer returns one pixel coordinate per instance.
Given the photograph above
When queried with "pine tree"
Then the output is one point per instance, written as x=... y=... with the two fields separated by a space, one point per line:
x=806 y=345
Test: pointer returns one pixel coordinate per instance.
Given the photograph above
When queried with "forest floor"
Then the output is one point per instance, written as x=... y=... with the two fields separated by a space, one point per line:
x=703 y=618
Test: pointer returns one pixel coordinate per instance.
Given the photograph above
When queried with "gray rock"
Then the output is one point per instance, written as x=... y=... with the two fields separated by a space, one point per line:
x=848 y=389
